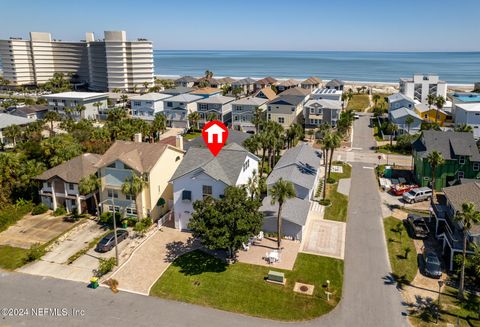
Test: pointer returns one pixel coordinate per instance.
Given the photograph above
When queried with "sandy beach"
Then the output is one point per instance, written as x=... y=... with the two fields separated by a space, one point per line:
x=376 y=87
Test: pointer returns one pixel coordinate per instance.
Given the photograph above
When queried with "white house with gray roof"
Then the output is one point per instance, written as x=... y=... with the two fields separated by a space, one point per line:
x=400 y=118
x=177 y=109
x=7 y=120
x=200 y=175
x=243 y=111
x=300 y=166
x=146 y=106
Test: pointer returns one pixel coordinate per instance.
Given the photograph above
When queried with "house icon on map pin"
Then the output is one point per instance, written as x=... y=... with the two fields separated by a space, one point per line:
x=215 y=130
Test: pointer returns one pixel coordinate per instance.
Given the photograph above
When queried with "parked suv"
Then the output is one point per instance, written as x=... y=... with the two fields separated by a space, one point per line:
x=108 y=242
x=417 y=195
x=431 y=264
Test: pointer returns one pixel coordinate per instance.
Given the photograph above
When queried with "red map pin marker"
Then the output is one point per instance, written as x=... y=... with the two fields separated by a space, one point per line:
x=215 y=134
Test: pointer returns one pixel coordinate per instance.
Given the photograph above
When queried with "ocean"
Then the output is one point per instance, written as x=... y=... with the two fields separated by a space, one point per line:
x=453 y=67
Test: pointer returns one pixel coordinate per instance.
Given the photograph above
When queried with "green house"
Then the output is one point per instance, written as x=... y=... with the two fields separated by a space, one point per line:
x=462 y=158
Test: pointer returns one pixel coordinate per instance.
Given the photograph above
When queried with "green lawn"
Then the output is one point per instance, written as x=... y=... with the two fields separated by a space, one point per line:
x=201 y=279
x=451 y=307
x=387 y=149
x=191 y=136
x=12 y=258
x=404 y=269
x=339 y=203
x=359 y=102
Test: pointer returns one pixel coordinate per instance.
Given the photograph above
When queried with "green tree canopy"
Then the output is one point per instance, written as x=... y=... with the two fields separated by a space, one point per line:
x=226 y=223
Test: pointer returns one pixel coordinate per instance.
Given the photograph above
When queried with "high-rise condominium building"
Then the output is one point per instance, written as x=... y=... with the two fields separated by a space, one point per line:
x=420 y=86
x=104 y=64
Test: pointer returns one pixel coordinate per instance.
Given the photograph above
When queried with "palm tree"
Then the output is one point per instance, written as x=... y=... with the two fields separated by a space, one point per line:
x=51 y=116
x=467 y=217
x=376 y=98
x=79 y=109
x=333 y=142
x=324 y=143
x=98 y=104
x=124 y=99
x=408 y=121
x=115 y=90
x=159 y=124
x=211 y=116
x=258 y=118
x=439 y=102
x=464 y=128
x=13 y=132
x=280 y=192
x=344 y=98
x=145 y=86
x=252 y=185
x=133 y=186
x=194 y=118
x=89 y=185
x=431 y=98
x=434 y=159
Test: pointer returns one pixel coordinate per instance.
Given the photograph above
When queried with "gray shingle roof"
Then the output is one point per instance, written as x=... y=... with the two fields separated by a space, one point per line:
x=449 y=144
x=233 y=137
x=23 y=111
x=226 y=166
x=186 y=79
x=8 y=120
x=73 y=170
x=335 y=83
x=185 y=97
x=294 y=210
x=293 y=100
x=218 y=99
x=460 y=194
x=298 y=165
x=178 y=90
x=297 y=91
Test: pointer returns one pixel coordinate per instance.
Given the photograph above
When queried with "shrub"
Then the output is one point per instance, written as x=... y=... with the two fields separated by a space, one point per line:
x=107 y=218
x=105 y=266
x=325 y=202
x=331 y=180
x=60 y=211
x=39 y=209
x=10 y=213
x=35 y=252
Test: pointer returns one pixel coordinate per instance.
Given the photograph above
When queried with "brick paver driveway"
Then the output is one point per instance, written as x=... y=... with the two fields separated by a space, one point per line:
x=151 y=259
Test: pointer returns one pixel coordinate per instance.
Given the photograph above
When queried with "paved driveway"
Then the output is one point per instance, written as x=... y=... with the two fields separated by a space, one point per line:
x=34 y=229
x=150 y=260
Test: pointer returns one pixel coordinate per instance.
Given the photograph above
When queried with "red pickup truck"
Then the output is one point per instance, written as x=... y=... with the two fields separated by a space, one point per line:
x=399 y=189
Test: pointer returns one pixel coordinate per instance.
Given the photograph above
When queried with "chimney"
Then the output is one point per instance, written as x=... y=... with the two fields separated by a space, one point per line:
x=137 y=138
x=179 y=142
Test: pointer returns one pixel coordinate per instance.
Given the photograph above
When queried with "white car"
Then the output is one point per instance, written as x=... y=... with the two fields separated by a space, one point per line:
x=356 y=116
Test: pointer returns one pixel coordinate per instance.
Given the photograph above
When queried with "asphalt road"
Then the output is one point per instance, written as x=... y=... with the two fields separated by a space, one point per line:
x=367 y=300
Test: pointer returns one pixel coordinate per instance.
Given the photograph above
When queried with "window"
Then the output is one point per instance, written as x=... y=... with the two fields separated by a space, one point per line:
x=112 y=193
x=312 y=111
x=461 y=174
x=186 y=195
x=203 y=106
x=207 y=191
x=269 y=108
x=461 y=160
x=281 y=120
x=130 y=197
x=131 y=211
x=246 y=165
x=235 y=117
x=169 y=104
x=269 y=117
x=117 y=208
x=293 y=109
x=49 y=184
x=476 y=166
x=137 y=103
x=71 y=186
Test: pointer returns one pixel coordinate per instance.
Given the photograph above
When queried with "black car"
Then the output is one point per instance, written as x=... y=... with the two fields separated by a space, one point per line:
x=418 y=226
x=108 y=242
x=431 y=265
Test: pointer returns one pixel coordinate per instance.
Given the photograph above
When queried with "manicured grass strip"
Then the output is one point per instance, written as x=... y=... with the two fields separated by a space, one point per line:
x=12 y=258
x=403 y=268
x=87 y=248
x=451 y=308
x=359 y=102
x=387 y=149
x=339 y=202
x=191 y=136
x=201 y=279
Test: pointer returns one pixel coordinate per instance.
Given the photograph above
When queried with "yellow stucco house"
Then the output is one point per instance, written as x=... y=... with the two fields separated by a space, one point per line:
x=431 y=115
x=154 y=162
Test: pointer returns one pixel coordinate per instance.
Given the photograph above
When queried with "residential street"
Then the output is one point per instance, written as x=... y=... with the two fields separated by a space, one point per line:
x=367 y=300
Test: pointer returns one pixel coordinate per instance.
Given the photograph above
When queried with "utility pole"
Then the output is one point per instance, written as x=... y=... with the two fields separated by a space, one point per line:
x=115 y=229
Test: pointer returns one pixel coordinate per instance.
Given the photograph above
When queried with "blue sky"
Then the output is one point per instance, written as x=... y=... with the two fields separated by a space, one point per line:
x=376 y=25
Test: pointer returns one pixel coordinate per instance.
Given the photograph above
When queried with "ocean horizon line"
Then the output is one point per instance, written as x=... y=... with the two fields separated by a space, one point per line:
x=350 y=51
